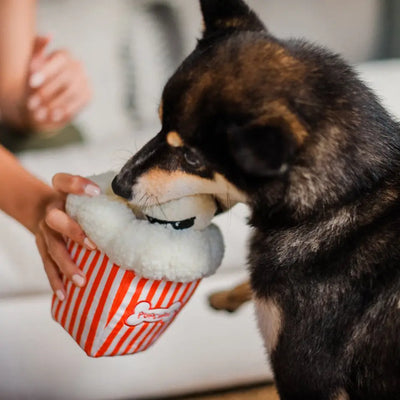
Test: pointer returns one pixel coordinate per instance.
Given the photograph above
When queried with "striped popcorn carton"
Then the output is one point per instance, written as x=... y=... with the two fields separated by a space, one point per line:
x=117 y=312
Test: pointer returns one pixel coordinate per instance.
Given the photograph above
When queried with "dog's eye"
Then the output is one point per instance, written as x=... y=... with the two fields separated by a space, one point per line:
x=192 y=158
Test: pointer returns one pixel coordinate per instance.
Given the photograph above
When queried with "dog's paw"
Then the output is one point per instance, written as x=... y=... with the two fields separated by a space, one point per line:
x=231 y=300
x=222 y=301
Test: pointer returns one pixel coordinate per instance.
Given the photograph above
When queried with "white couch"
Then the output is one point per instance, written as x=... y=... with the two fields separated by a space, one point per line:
x=203 y=349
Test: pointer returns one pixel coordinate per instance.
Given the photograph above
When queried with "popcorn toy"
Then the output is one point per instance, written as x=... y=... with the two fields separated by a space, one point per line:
x=147 y=265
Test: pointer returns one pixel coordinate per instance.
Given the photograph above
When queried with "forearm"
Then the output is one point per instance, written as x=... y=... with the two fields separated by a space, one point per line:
x=17 y=30
x=22 y=196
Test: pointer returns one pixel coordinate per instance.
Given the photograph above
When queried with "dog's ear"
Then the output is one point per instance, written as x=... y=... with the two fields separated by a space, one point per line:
x=227 y=16
x=266 y=146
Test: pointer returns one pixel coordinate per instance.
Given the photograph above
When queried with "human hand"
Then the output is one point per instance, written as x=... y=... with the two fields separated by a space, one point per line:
x=56 y=226
x=58 y=87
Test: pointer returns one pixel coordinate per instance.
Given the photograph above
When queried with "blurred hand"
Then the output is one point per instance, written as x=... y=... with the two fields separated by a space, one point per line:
x=56 y=226
x=58 y=87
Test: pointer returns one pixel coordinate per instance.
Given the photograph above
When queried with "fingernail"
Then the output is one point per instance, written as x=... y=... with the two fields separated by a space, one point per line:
x=89 y=244
x=78 y=280
x=57 y=115
x=92 y=190
x=40 y=114
x=60 y=295
x=33 y=102
x=36 y=80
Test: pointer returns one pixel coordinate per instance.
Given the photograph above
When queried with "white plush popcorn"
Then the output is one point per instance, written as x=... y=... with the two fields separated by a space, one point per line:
x=172 y=241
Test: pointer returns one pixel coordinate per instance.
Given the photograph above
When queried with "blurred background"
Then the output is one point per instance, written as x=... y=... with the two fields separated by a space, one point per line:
x=130 y=48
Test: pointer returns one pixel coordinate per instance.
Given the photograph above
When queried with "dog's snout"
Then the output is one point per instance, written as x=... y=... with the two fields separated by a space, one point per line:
x=121 y=188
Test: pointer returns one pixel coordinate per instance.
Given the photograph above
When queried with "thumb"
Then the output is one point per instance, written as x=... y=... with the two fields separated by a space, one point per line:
x=39 y=46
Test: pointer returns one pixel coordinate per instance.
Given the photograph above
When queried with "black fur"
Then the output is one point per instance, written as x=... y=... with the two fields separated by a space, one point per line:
x=325 y=204
x=224 y=16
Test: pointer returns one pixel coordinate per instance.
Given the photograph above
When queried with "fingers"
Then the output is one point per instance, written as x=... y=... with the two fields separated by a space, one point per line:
x=38 y=52
x=52 y=66
x=53 y=89
x=60 y=222
x=39 y=45
x=48 y=91
x=51 y=269
x=57 y=225
x=74 y=184
x=57 y=256
x=56 y=259
x=65 y=98
x=67 y=102
x=59 y=89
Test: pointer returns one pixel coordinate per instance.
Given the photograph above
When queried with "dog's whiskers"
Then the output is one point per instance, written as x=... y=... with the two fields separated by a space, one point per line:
x=160 y=206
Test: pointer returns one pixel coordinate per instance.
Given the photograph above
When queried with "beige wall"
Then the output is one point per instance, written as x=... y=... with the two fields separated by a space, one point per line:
x=102 y=32
x=350 y=27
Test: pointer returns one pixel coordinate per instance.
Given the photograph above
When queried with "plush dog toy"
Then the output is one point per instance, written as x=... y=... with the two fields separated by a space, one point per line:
x=148 y=263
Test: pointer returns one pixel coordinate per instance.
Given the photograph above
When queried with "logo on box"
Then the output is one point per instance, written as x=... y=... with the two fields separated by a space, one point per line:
x=144 y=313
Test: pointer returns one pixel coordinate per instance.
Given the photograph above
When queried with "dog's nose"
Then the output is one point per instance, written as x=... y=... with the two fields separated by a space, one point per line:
x=121 y=189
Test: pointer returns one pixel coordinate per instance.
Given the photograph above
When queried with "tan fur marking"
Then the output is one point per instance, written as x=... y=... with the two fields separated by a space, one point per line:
x=161 y=110
x=269 y=319
x=225 y=23
x=341 y=394
x=174 y=140
x=230 y=23
x=203 y=25
x=160 y=186
x=278 y=113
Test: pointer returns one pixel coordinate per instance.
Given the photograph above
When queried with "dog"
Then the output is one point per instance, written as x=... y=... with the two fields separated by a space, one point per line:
x=288 y=128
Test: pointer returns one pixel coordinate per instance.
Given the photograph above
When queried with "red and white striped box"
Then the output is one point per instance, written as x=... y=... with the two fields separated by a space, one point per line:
x=117 y=312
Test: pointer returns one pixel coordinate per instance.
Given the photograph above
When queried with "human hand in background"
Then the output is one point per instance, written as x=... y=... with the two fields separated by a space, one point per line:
x=56 y=226
x=58 y=87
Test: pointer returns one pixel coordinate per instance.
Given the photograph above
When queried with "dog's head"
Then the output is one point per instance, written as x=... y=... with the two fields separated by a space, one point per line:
x=236 y=113
x=226 y=117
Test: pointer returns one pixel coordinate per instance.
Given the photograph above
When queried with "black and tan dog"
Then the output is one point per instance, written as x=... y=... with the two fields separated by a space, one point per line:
x=288 y=128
